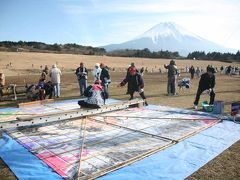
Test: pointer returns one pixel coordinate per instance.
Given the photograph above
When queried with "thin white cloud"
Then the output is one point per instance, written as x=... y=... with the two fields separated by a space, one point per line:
x=201 y=6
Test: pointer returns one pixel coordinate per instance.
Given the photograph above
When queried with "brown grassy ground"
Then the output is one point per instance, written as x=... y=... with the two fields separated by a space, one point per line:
x=225 y=166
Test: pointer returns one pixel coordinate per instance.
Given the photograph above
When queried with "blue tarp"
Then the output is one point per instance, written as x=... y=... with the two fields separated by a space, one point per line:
x=181 y=160
x=175 y=162
x=22 y=163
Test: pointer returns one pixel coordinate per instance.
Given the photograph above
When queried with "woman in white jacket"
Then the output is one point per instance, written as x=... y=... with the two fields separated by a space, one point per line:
x=96 y=72
x=55 y=75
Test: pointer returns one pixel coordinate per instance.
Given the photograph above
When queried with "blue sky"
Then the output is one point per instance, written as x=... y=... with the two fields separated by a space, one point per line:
x=101 y=22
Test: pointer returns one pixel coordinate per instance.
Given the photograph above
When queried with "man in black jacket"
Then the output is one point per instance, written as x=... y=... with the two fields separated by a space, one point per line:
x=105 y=78
x=135 y=83
x=207 y=82
x=81 y=73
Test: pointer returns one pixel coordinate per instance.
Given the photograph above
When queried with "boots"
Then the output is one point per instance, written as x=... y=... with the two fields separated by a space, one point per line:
x=145 y=103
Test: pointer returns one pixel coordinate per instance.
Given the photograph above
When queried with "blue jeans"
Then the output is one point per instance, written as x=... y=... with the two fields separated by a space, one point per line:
x=105 y=88
x=82 y=85
x=56 y=87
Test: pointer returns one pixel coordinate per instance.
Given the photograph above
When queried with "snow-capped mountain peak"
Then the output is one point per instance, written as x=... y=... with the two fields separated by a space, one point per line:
x=169 y=36
x=167 y=29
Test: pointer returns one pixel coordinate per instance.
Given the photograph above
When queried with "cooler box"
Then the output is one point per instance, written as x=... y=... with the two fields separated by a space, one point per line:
x=218 y=107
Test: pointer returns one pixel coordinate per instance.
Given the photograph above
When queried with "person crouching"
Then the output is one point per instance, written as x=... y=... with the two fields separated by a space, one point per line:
x=135 y=83
x=95 y=96
x=207 y=82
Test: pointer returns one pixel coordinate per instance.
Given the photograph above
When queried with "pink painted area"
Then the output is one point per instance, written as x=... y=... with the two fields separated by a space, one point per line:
x=44 y=154
x=136 y=109
x=57 y=170
x=57 y=161
x=70 y=158
x=195 y=117
x=201 y=118
x=209 y=121
x=111 y=120
x=84 y=153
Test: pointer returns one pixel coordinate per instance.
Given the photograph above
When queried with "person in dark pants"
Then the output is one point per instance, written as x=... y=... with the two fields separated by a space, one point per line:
x=41 y=86
x=207 y=82
x=192 y=71
x=105 y=78
x=49 y=90
x=172 y=77
x=131 y=65
x=135 y=83
x=81 y=73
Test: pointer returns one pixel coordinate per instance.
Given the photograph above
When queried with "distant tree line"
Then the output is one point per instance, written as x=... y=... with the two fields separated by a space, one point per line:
x=229 y=57
x=33 y=46
x=145 y=53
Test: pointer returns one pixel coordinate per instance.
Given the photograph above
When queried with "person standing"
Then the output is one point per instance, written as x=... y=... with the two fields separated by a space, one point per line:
x=130 y=66
x=46 y=69
x=192 y=71
x=142 y=71
x=96 y=72
x=198 y=72
x=135 y=82
x=207 y=82
x=105 y=78
x=81 y=73
x=2 y=79
x=55 y=75
x=2 y=84
x=172 y=77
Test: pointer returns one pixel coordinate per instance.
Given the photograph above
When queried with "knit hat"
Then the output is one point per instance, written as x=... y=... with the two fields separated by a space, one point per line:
x=210 y=69
x=132 y=70
x=97 y=64
x=172 y=62
x=98 y=81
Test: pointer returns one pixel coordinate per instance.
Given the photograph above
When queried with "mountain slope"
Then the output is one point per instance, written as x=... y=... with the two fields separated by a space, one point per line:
x=169 y=36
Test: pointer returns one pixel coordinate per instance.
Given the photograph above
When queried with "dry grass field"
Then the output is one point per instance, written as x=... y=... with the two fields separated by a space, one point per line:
x=30 y=63
x=225 y=166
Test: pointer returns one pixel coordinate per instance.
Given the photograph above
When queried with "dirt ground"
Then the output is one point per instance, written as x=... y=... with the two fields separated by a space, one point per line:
x=225 y=166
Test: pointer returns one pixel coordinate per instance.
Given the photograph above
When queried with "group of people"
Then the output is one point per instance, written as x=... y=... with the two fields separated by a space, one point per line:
x=230 y=70
x=207 y=81
x=194 y=71
x=46 y=88
x=98 y=92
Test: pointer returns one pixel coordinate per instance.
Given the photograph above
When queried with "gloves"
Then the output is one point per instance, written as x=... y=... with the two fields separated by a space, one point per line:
x=209 y=91
x=140 y=90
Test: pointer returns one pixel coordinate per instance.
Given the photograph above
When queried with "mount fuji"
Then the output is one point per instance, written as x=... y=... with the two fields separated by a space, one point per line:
x=172 y=37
